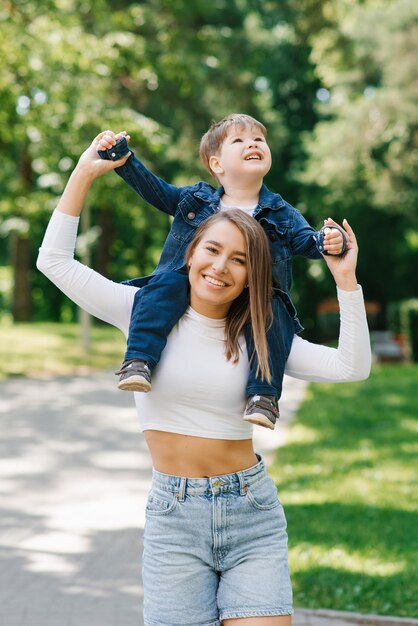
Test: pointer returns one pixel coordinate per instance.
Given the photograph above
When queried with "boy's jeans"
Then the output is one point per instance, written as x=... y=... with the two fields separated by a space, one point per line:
x=157 y=307
x=164 y=299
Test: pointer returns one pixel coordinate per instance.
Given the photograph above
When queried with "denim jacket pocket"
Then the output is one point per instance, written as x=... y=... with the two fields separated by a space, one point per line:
x=189 y=215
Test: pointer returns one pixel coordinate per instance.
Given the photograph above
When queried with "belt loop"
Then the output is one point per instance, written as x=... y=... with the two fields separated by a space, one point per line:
x=242 y=485
x=182 y=490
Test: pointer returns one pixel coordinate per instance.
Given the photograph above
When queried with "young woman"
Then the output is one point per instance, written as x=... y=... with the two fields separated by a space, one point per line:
x=215 y=542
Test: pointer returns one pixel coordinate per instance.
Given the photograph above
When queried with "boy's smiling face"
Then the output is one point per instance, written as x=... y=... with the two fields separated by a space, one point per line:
x=244 y=155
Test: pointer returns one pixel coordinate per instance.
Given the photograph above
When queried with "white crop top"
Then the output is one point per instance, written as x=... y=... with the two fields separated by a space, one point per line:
x=195 y=391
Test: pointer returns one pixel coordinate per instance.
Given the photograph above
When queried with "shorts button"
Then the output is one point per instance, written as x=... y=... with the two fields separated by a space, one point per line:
x=217 y=483
x=191 y=215
x=113 y=154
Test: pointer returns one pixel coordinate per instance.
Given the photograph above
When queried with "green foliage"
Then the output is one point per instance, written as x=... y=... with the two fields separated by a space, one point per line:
x=347 y=480
x=402 y=318
x=408 y=316
x=358 y=59
x=393 y=317
x=162 y=70
x=5 y=288
x=413 y=333
x=333 y=81
x=363 y=162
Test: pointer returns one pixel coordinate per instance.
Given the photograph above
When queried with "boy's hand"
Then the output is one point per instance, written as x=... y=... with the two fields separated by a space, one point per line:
x=333 y=239
x=92 y=164
x=343 y=268
x=109 y=141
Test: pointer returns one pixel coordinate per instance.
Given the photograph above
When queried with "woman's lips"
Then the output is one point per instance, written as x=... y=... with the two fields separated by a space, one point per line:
x=214 y=281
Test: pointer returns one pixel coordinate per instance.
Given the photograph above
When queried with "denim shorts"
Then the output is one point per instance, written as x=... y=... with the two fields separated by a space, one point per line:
x=214 y=548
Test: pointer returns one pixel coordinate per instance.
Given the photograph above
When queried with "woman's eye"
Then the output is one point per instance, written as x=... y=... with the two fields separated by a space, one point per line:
x=239 y=260
x=211 y=249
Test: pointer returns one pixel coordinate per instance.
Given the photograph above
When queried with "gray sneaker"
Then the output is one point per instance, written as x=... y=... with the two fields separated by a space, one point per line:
x=134 y=375
x=262 y=410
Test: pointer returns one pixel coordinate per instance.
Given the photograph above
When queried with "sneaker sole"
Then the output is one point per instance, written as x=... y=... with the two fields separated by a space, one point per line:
x=260 y=420
x=135 y=383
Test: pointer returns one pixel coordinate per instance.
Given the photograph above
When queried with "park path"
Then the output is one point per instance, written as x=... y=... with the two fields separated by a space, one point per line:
x=74 y=474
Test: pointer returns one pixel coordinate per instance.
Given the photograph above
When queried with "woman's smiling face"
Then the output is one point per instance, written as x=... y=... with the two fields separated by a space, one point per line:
x=218 y=269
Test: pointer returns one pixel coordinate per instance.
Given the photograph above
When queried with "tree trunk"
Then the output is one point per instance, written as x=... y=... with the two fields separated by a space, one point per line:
x=21 y=303
x=20 y=253
x=105 y=222
x=83 y=316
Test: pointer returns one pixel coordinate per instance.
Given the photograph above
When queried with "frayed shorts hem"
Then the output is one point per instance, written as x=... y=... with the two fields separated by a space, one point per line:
x=216 y=622
x=233 y=615
x=255 y=613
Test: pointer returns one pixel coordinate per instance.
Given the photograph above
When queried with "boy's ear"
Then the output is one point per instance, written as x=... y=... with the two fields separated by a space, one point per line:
x=215 y=165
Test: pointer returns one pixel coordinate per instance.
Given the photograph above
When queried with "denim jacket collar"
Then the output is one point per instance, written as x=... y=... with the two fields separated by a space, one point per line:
x=269 y=200
x=209 y=195
x=266 y=199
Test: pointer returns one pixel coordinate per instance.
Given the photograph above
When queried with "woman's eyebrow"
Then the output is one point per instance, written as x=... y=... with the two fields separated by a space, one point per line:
x=216 y=243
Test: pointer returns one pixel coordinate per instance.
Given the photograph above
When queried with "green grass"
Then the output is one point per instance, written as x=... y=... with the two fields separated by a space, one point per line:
x=348 y=481
x=55 y=349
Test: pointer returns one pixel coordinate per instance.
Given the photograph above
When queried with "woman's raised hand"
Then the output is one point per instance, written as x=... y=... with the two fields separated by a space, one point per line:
x=90 y=162
x=89 y=167
x=343 y=268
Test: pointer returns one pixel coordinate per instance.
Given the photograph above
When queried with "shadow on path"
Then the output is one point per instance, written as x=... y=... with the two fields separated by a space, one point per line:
x=74 y=477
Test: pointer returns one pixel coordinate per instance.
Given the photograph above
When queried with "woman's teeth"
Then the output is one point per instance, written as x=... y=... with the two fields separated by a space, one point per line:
x=213 y=281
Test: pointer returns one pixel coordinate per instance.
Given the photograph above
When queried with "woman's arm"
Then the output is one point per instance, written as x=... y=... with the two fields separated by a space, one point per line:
x=349 y=362
x=99 y=296
x=352 y=359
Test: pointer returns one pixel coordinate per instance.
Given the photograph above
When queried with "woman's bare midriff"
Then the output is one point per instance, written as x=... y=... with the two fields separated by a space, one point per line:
x=197 y=457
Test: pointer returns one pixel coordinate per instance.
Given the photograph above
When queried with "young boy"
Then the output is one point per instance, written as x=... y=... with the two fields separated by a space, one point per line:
x=236 y=153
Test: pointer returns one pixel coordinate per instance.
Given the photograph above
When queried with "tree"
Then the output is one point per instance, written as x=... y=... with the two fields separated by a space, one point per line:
x=54 y=88
x=162 y=70
x=312 y=71
x=363 y=160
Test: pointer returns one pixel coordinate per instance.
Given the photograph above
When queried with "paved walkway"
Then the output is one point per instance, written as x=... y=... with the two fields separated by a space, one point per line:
x=74 y=476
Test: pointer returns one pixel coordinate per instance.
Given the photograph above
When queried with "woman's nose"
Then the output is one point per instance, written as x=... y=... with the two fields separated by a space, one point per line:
x=219 y=265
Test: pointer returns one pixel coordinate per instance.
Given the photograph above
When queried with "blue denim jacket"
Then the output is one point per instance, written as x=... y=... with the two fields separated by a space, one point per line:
x=288 y=231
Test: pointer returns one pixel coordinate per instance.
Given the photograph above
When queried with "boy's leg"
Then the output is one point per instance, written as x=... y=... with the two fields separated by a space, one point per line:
x=157 y=308
x=262 y=407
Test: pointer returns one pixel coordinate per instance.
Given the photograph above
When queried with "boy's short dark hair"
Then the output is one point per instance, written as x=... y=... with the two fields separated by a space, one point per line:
x=213 y=139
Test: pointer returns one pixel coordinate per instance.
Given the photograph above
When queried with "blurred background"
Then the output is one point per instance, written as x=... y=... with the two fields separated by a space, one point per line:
x=334 y=81
x=336 y=84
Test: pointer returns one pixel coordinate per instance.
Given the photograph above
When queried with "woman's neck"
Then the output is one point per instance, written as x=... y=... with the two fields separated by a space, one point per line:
x=212 y=311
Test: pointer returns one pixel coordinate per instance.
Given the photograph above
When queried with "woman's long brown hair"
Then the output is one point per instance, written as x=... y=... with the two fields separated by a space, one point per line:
x=253 y=305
